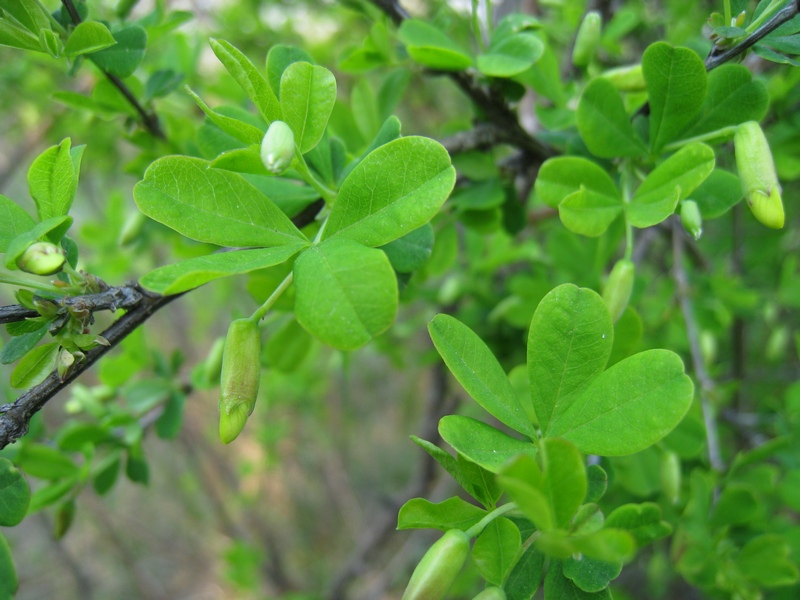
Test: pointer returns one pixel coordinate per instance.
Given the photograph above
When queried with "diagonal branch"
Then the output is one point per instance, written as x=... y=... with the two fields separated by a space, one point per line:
x=127 y=296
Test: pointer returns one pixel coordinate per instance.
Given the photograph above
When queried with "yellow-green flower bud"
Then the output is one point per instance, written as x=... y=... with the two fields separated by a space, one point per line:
x=277 y=148
x=42 y=258
x=241 y=375
x=626 y=79
x=619 y=287
x=587 y=40
x=439 y=567
x=491 y=593
x=691 y=218
x=757 y=174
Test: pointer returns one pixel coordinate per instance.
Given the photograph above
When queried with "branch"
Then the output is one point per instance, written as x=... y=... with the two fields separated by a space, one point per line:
x=127 y=296
x=149 y=119
x=785 y=14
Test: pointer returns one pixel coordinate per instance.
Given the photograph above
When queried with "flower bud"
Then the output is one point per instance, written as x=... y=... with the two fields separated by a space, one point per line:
x=691 y=218
x=757 y=174
x=42 y=258
x=626 y=79
x=277 y=148
x=439 y=567
x=212 y=367
x=618 y=288
x=491 y=593
x=241 y=374
x=670 y=476
x=587 y=40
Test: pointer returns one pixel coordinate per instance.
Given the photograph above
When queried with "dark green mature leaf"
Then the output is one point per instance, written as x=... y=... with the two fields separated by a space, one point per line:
x=676 y=84
x=35 y=366
x=397 y=188
x=53 y=179
x=8 y=574
x=192 y=273
x=224 y=208
x=431 y=47
x=346 y=293
x=481 y=443
x=556 y=585
x=511 y=55
x=13 y=222
x=718 y=193
x=124 y=57
x=604 y=124
x=453 y=513
x=569 y=343
x=88 y=37
x=308 y=93
x=526 y=576
x=19 y=346
x=410 y=252
x=478 y=371
x=591 y=574
x=562 y=176
x=495 y=550
x=15 y=495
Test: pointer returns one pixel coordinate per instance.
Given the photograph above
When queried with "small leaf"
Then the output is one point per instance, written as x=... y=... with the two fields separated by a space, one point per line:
x=15 y=495
x=495 y=550
x=20 y=345
x=588 y=213
x=431 y=47
x=279 y=58
x=53 y=181
x=521 y=478
x=410 y=252
x=88 y=37
x=718 y=193
x=481 y=443
x=308 y=93
x=453 y=513
x=35 y=366
x=564 y=479
x=511 y=55
x=124 y=57
x=591 y=574
x=13 y=222
x=604 y=124
x=765 y=560
x=8 y=574
x=526 y=576
x=556 y=585
x=53 y=229
x=562 y=176
x=244 y=132
x=46 y=462
x=642 y=521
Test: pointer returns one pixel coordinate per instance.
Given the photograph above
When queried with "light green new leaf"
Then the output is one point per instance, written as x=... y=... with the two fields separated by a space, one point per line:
x=484 y=445
x=478 y=371
x=603 y=123
x=669 y=183
x=588 y=213
x=562 y=176
x=511 y=55
x=495 y=550
x=676 y=84
x=124 y=57
x=13 y=34
x=13 y=222
x=8 y=574
x=569 y=343
x=345 y=293
x=244 y=132
x=15 y=494
x=639 y=399
x=249 y=79
x=521 y=478
x=88 y=37
x=733 y=98
x=211 y=205
x=53 y=179
x=564 y=479
x=192 y=273
x=431 y=47
x=308 y=93
x=35 y=366
x=279 y=58
x=397 y=188
x=26 y=13
x=453 y=513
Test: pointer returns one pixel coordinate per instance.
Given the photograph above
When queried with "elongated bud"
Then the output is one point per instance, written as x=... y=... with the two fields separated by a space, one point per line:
x=618 y=288
x=691 y=218
x=212 y=367
x=671 y=476
x=42 y=258
x=491 y=593
x=757 y=174
x=626 y=79
x=277 y=148
x=587 y=40
x=439 y=567
x=132 y=228
x=241 y=374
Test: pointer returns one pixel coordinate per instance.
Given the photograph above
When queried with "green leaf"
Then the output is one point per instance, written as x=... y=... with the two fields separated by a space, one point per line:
x=732 y=98
x=244 y=132
x=564 y=479
x=604 y=124
x=45 y=462
x=521 y=478
x=242 y=160
x=8 y=574
x=21 y=345
x=397 y=188
x=613 y=545
x=308 y=93
x=495 y=550
x=169 y=424
x=597 y=480
x=431 y=47
x=676 y=84
x=286 y=348
x=511 y=55
x=410 y=252
x=562 y=176
x=526 y=576
x=588 y=213
x=671 y=181
x=53 y=229
x=15 y=495
x=249 y=79
x=453 y=513
x=591 y=574
x=569 y=343
x=737 y=505
x=478 y=371
x=481 y=443
x=225 y=209
x=35 y=366
x=192 y=273
x=279 y=58
x=720 y=192
x=13 y=222
x=27 y=13
x=53 y=180
x=13 y=34
x=765 y=560
x=50 y=494
x=124 y=57
x=346 y=293
x=556 y=585
x=640 y=399
x=88 y=37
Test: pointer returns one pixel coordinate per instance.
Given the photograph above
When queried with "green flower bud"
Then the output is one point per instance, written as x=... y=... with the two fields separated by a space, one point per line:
x=491 y=593
x=757 y=174
x=241 y=374
x=691 y=218
x=618 y=288
x=132 y=229
x=439 y=567
x=626 y=79
x=587 y=40
x=671 y=476
x=212 y=367
x=42 y=258
x=277 y=148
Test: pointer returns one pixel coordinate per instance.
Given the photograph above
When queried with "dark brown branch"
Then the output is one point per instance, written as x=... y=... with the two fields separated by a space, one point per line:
x=113 y=298
x=149 y=119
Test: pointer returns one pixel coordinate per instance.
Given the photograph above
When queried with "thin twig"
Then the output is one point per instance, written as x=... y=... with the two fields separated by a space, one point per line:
x=127 y=296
